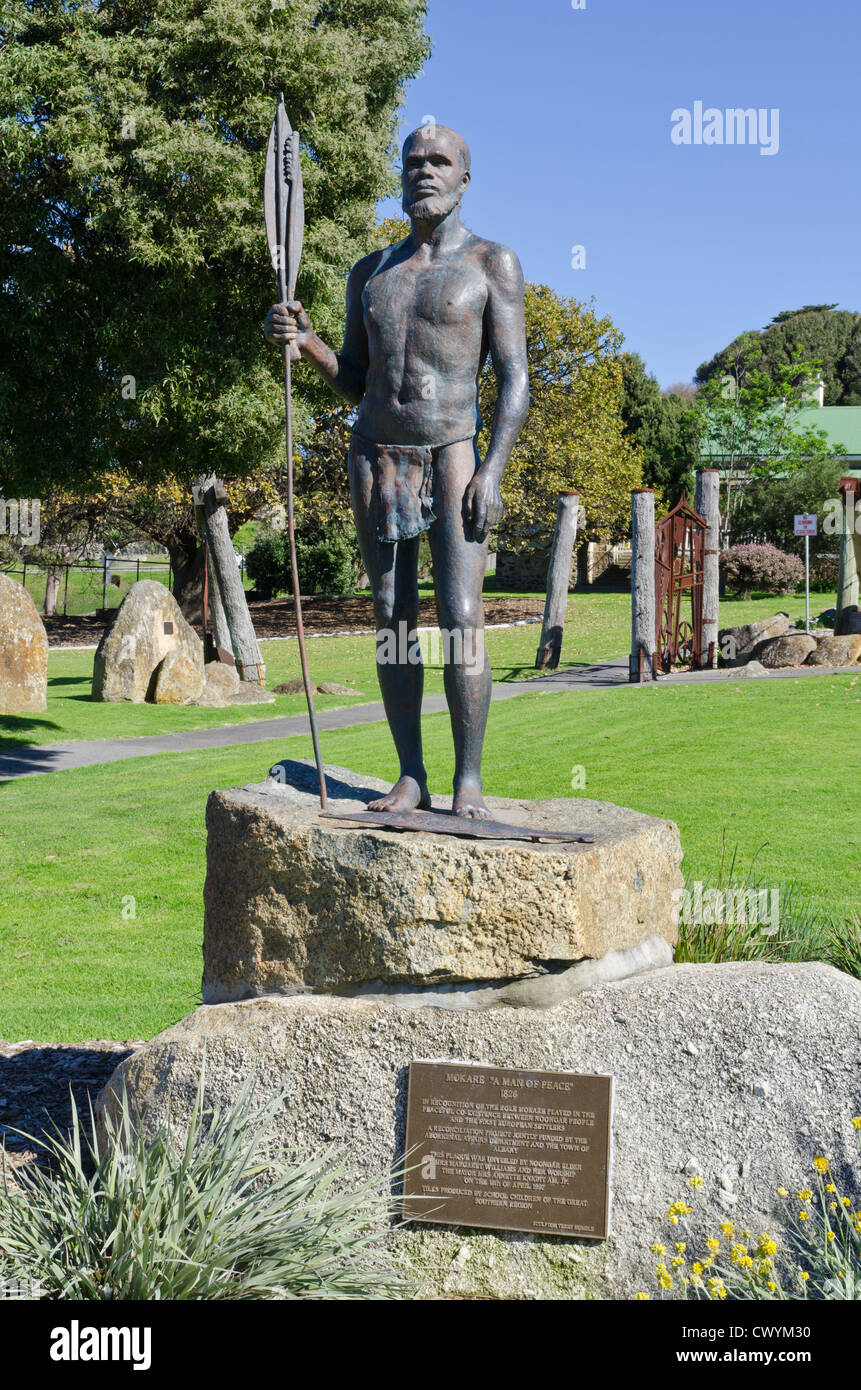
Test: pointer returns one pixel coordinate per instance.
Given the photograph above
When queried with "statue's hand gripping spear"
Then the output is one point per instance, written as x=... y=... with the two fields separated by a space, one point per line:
x=284 y=213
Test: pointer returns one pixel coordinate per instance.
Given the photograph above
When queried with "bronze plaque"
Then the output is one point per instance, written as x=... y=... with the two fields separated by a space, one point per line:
x=508 y=1149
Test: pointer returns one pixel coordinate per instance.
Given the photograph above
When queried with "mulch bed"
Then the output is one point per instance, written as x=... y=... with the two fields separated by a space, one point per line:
x=277 y=619
x=35 y=1083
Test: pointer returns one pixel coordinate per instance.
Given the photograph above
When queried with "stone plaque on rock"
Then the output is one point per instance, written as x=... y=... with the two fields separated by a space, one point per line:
x=508 y=1149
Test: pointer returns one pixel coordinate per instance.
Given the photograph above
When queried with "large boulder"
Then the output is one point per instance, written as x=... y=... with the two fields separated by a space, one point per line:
x=296 y=902
x=740 y=1074
x=792 y=650
x=23 y=652
x=836 y=651
x=179 y=679
x=740 y=643
x=148 y=624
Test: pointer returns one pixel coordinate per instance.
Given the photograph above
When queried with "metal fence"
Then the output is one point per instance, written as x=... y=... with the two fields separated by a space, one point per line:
x=87 y=588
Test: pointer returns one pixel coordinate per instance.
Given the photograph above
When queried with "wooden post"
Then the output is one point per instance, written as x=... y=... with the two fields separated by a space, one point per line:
x=642 y=584
x=708 y=506
x=558 y=579
x=227 y=584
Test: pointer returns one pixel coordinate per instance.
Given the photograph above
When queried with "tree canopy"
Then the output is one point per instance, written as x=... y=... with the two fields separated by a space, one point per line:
x=820 y=331
x=134 y=271
x=665 y=425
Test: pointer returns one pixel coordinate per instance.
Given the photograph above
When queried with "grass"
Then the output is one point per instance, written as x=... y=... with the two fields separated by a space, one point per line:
x=597 y=629
x=101 y=869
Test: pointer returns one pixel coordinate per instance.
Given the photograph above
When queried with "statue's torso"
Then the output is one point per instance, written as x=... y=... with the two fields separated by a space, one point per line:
x=424 y=320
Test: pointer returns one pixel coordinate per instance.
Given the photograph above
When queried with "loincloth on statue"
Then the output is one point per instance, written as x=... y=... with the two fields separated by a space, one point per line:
x=402 y=476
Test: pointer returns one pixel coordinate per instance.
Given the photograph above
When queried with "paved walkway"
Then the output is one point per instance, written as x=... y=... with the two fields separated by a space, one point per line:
x=59 y=757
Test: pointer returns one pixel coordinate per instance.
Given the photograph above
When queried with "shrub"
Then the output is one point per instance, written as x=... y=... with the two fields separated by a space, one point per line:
x=824 y=571
x=327 y=564
x=763 y=567
x=213 y=1216
x=266 y=562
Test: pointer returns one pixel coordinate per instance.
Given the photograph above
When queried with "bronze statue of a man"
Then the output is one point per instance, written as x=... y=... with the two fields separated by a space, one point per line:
x=422 y=317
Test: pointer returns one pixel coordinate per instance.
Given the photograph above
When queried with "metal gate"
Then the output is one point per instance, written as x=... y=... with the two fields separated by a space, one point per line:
x=679 y=553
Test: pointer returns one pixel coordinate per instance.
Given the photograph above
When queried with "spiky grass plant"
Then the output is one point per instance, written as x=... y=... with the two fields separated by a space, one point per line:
x=844 y=944
x=212 y=1216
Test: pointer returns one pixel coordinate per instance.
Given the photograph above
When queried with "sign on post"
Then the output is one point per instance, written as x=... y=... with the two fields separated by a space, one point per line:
x=805 y=525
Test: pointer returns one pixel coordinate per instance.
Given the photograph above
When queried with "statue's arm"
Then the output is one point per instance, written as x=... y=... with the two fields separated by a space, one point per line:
x=344 y=371
x=506 y=338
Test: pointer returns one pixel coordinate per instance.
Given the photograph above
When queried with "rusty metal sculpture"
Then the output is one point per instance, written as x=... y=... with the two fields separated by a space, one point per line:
x=679 y=557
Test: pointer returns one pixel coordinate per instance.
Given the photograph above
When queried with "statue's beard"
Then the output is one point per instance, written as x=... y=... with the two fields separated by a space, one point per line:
x=440 y=205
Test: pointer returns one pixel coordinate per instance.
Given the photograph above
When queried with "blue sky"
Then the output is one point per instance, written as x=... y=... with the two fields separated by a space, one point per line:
x=568 y=116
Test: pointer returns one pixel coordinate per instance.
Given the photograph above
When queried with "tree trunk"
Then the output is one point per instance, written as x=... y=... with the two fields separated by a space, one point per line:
x=52 y=589
x=186 y=557
x=708 y=507
x=643 y=635
x=558 y=579
x=246 y=650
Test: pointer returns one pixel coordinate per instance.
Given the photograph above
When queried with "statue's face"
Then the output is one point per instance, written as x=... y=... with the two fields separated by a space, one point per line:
x=433 y=179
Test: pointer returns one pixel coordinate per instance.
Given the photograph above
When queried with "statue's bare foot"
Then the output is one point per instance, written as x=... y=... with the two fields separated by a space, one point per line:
x=406 y=795
x=468 y=801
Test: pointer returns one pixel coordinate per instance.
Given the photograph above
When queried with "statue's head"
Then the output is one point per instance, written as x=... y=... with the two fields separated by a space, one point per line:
x=435 y=171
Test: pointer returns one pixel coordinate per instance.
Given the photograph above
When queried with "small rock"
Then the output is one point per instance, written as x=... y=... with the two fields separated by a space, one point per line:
x=751 y=671
x=291 y=687
x=333 y=688
x=792 y=650
x=691 y=1049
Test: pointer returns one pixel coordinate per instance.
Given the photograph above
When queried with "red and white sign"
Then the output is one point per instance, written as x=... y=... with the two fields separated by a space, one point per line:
x=805 y=525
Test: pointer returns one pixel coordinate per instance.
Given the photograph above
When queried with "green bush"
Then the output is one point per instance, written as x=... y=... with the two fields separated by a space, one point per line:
x=211 y=1216
x=327 y=564
x=266 y=562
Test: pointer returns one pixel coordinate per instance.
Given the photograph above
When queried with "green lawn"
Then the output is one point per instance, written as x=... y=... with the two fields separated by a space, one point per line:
x=597 y=629
x=773 y=766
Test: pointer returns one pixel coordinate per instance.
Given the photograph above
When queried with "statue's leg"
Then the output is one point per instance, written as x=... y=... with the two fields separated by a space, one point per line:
x=459 y=568
x=393 y=572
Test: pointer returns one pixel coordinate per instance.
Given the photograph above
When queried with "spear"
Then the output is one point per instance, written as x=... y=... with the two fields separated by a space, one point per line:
x=284 y=214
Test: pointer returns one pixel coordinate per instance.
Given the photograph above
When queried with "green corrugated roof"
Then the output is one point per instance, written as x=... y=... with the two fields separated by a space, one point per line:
x=840 y=423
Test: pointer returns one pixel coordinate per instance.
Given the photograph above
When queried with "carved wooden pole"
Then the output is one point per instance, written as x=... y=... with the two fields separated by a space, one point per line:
x=558 y=579
x=228 y=583
x=642 y=585
x=708 y=506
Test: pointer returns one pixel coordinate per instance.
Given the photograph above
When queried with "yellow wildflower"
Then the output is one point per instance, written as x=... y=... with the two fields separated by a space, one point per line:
x=846 y=1201
x=820 y=1164
x=717 y=1289
x=697 y=1268
x=771 y=1286
x=804 y=1195
x=659 y=1249
x=803 y=1275
x=829 y=1187
x=857 y=1121
x=782 y=1192
x=678 y=1261
x=804 y=1216
x=832 y=1206
x=681 y=1247
x=695 y=1181
x=641 y=1297
x=765 y=1245
x=728 y=1228
x=830 y=1236
x=713 y=1244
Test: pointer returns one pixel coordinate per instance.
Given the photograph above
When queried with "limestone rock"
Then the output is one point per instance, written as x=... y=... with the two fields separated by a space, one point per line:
x=291 y=687
x=748 y=636
x=333 y=688
x=751 y=1067
x=295 y=902
x=179 y=679
x=836 y=651
x=792 y=650
x=251 y=693
x=220 y=684
x=148 y=625
x=23 y=652
x=750 y=671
